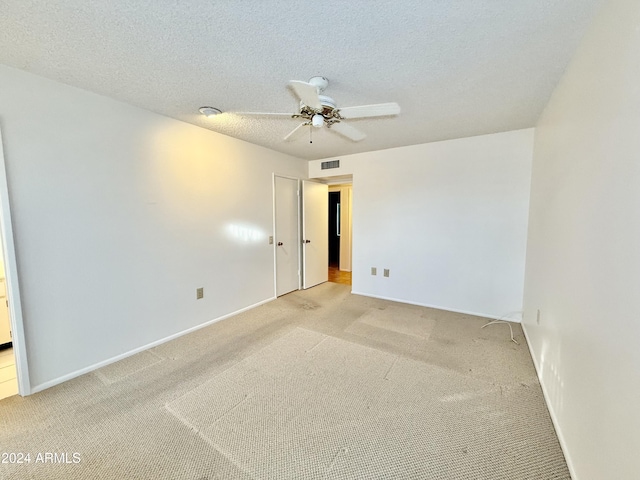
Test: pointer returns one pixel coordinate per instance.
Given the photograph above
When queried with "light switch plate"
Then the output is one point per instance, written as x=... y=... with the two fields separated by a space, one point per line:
x=374 y=271
x=199 y=293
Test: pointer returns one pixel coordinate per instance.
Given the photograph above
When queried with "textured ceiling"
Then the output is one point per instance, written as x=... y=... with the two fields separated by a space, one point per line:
x=457 y=68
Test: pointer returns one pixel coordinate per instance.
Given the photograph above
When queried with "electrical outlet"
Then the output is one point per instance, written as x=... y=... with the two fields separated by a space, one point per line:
x=374 y=271
x=386 y=272
x=199 y=293
x=270 y=240
x=538 y=317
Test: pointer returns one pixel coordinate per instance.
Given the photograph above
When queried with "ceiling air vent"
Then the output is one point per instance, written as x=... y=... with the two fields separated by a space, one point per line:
x=331 y=164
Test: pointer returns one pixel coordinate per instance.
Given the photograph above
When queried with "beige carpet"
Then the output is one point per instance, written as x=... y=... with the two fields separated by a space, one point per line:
x=319 y=384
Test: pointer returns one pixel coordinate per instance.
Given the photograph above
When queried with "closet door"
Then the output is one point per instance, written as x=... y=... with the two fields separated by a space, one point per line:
x=287 y=239
x=315 y=233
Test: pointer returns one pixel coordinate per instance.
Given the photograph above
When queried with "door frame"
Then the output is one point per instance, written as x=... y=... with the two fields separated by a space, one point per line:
x=12 y=283
x=273 y=229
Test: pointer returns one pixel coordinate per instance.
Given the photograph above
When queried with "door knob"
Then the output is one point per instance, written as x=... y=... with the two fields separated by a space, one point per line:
x=280 y=244
x=307 y=241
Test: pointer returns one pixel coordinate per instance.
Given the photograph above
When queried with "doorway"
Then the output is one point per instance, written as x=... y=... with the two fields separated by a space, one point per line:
x=339 y=230
x=334 y=229
x=8 y=375
x=14 y=372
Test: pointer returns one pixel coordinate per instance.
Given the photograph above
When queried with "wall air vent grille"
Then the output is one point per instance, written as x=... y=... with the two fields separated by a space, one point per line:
x=331 y=164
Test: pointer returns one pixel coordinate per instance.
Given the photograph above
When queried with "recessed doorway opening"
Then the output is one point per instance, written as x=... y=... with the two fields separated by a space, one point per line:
x=8 y=374
x=339 y=203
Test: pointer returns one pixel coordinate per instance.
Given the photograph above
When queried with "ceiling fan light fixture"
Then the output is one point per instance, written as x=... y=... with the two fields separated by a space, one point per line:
x=317 y=120
x=209 y=112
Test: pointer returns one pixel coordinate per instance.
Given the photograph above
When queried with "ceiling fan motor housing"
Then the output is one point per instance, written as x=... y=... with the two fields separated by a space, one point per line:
x=329 y=111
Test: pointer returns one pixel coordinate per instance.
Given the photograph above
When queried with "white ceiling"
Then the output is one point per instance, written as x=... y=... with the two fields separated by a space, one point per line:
x=457 y=68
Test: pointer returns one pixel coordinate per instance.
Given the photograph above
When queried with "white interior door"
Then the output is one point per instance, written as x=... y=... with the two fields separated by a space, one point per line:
x=287 y=240
x=315 y=233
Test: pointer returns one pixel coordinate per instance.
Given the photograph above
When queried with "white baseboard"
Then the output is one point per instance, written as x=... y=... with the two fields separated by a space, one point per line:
x=552 y=413
x=438 y=307
x=104 y=363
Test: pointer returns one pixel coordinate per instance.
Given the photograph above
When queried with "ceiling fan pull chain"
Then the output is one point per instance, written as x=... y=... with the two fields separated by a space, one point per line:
x=310 y=135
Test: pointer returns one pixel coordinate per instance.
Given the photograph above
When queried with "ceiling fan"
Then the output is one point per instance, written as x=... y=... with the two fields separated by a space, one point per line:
x=318 y=110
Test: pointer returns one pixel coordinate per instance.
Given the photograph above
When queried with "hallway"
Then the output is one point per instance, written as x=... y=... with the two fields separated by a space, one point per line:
x=338 y=276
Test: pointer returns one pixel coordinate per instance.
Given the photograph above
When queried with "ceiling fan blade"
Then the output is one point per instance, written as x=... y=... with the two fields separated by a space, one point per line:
x=348 y=131
x=296 y=132
x=261 y=114
x=307 y=93
x=363 y=111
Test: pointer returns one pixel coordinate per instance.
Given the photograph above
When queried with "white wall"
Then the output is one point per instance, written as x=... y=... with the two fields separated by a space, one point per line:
x=583 y=258
x=449 y=219
x=119 y=215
